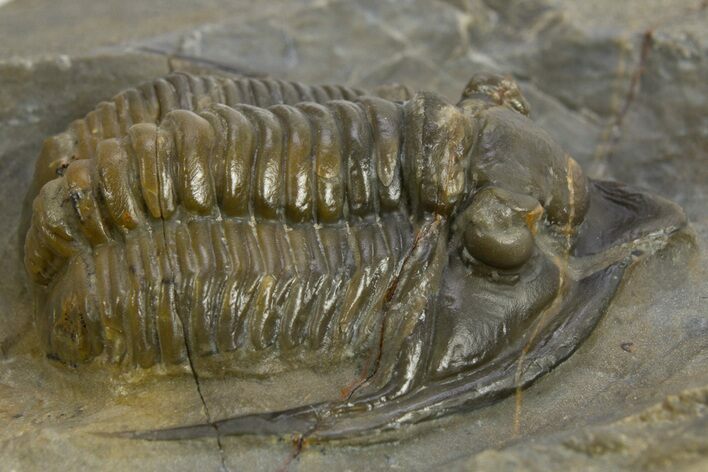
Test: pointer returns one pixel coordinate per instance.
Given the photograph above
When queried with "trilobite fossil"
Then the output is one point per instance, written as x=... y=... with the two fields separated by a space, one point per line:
x=456 y=246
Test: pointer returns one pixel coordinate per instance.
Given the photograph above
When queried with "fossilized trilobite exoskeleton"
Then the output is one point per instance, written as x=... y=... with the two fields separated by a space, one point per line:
x=195 y=216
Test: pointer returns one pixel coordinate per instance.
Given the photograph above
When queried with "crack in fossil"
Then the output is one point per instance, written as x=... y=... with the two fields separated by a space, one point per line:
x=298 y=447
x=388 y=296
x=188 y=351
x=210 y=421
x=300 y=441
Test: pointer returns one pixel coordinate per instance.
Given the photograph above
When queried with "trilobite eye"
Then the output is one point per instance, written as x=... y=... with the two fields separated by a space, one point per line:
x=498 y=227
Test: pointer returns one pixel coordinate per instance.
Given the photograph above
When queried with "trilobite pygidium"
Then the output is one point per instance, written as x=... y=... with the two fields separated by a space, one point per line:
x=455 y=247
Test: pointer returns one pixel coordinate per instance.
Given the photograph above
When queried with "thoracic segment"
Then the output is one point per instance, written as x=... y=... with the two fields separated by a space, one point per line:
x=227 y=285
x=152 y=101
x=309 y=163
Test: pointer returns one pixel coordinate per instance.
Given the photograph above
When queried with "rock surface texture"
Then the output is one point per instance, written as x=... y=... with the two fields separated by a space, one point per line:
x=621 y=85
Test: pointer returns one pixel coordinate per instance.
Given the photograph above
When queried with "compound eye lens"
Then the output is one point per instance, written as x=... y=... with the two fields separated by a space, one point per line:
x=500 y=226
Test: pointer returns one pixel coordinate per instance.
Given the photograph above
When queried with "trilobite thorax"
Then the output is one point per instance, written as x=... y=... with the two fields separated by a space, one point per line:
x=240 y=228
x=150 y=102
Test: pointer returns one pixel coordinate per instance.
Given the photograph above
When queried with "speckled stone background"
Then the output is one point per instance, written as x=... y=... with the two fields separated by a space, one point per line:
x=621 y=84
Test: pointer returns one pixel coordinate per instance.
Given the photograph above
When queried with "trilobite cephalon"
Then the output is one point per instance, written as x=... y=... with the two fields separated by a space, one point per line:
x=455 y=245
